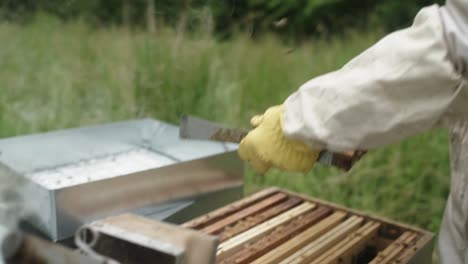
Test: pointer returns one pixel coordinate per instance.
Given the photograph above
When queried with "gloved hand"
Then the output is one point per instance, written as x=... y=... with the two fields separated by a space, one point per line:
x=266 y=146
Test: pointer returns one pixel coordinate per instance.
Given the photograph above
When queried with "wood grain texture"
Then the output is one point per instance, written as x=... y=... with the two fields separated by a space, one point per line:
x=248 y=211
x=228 y=247
x=233 y=222
x=257 y=219
x=413 y=249
x=277 y=237
x=222 y=212
x=288 y=248
x=395 y=248
x=317 y=247
x=343 y=252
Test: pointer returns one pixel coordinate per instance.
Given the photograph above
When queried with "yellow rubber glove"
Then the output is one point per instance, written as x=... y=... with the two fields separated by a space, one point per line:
x=266 y=146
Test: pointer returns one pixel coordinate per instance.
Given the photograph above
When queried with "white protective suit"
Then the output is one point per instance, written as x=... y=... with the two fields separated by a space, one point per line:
x=411 y=80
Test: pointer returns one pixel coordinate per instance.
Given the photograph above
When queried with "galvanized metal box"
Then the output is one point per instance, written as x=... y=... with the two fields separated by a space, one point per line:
x=78 y=175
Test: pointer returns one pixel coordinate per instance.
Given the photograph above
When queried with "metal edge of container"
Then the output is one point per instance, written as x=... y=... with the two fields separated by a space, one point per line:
x=148 y=190
x=420 y=253
x=205 y=203
x=21 y=202
x=41 y=218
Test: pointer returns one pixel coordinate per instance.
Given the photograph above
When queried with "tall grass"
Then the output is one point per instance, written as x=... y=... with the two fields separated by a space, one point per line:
x=56 y=75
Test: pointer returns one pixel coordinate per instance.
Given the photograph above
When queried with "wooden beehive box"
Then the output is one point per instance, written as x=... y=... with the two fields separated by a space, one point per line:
x=278 y=226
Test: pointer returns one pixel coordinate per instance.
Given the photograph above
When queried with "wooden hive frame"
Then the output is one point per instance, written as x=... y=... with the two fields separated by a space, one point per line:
x=259 y=228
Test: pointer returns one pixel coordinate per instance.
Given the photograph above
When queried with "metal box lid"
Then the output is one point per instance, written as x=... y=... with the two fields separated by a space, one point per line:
x=81 y=174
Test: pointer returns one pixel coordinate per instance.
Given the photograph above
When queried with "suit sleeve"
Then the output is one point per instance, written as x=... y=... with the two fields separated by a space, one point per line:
x=454 y=16
x=404 y=84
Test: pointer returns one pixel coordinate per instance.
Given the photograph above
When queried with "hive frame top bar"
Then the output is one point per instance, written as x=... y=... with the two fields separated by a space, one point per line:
x=419 y=251
x=389 y=232
x=101 y=151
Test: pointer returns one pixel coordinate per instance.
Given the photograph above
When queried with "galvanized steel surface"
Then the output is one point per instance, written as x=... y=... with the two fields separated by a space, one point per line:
x=79 y=175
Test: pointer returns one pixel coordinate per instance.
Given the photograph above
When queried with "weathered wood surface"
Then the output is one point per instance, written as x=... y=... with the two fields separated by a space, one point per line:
x=288 y=248
x=395 y=248
x=228 y=247
x=222 y=212
x=354 y=243
x=157 y=235
x=248 y=211
x=282 y=234
x=257 y=219
x=248 y=235
x=413 y=249
x=317 y=247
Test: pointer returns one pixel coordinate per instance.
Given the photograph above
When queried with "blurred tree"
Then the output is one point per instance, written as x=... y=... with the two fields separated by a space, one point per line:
x=297 y=19
x=399 y=13
x=150 y=16
x=306 y=17
x=126 y=10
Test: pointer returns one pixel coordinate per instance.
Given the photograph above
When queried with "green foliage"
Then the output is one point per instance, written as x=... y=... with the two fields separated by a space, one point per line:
x=311 y=17
x=399 y=13
x=304 y=17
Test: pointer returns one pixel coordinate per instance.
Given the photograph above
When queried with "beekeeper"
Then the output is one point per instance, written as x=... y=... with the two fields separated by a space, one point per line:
x=410 y=81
